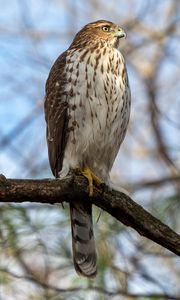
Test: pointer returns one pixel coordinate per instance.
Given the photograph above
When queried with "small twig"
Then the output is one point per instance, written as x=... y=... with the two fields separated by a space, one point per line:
x=90 y=288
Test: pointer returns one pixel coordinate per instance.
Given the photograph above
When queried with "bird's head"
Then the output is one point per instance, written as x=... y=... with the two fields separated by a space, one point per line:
x=100 y=31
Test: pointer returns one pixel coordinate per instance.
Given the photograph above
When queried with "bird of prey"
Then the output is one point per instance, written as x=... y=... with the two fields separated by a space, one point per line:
x=87 y=107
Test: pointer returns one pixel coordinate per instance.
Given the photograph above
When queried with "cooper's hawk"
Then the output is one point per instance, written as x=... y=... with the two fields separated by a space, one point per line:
x=87 y=110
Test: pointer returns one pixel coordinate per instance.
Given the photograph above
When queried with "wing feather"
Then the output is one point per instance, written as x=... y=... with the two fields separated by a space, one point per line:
x=56 y=113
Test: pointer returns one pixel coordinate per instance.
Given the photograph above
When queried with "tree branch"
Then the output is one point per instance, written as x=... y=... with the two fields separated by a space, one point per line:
x=175 y=179
x=89 y=288
x=118 y=204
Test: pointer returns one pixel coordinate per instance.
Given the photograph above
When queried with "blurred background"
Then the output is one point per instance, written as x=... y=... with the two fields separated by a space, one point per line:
x=35 y=240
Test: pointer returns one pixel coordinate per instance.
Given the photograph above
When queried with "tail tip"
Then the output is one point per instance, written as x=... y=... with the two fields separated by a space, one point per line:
x=86 y=265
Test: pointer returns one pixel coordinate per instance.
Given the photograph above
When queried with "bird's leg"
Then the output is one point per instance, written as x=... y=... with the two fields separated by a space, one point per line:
x=91 y=177
x=87 y=173
x=96 y=179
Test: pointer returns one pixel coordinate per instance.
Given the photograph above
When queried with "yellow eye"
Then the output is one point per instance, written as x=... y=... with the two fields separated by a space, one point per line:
x=106 y=28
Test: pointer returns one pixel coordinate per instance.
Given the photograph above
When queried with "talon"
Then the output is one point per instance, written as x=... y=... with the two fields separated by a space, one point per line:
x=97 y=180
x=91 y=177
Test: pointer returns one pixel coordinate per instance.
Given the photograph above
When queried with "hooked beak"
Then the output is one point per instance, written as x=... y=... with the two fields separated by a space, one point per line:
x=120 y=33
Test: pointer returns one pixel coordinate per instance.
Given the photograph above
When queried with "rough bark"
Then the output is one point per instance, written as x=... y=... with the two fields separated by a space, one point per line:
x=118 y=204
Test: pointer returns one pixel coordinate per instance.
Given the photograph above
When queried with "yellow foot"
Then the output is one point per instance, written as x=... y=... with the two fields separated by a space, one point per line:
x=91 y=177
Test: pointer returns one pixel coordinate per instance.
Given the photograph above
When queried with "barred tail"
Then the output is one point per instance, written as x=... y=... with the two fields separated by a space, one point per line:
x=83 y=245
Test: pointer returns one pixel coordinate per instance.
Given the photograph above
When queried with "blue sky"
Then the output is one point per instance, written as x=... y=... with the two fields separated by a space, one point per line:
x=32 y=35
x=25 y=62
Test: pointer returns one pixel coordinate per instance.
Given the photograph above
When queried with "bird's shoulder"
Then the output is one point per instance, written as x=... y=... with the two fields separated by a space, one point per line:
x=57 y=73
